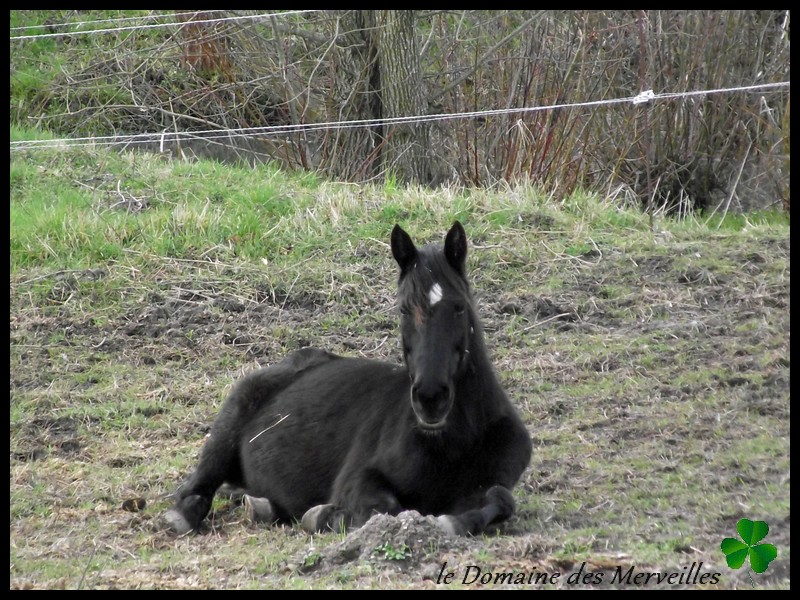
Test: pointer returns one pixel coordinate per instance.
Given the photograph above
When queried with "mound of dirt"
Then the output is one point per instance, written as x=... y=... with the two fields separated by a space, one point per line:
x=407 y=542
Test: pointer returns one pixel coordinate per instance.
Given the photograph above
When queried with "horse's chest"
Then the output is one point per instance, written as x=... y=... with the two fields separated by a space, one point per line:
x=428 y=479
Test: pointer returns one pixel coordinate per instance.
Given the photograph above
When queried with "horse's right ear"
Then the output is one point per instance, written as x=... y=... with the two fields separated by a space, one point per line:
x=403 y=249
x=455 y=247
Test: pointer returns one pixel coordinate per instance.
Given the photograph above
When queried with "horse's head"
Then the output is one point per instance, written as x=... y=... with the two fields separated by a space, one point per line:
x=437 y=320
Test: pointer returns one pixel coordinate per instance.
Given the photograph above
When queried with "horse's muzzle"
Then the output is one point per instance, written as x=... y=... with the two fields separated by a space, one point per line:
x=431 y=405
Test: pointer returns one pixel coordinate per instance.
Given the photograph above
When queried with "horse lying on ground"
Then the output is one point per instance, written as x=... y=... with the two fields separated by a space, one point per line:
x=330 y=440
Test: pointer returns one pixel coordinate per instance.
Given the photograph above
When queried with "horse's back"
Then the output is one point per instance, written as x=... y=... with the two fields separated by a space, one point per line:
x=309 y=413
x=319 y=376
x=259 y=388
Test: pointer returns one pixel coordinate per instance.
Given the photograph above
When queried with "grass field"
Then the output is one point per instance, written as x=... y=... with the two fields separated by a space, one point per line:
x=651 y=368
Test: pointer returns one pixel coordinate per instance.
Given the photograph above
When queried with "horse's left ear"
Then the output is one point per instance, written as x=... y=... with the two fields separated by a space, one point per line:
x=455 y=247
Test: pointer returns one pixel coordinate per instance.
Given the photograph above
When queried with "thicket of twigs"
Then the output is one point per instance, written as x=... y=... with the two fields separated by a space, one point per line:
x=716 y=151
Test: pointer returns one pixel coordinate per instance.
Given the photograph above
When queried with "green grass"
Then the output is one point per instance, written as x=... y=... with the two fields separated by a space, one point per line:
x=658 y=410
x=259 y=213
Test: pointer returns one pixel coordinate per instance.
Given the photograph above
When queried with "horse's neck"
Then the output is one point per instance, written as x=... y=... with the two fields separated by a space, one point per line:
x=480 y=379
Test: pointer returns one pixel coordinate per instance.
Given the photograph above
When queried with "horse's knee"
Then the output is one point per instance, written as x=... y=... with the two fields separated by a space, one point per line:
x=501 y=497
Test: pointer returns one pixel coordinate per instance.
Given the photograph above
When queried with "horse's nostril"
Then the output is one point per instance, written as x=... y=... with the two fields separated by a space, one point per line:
x=430 y=394
x=431 y=403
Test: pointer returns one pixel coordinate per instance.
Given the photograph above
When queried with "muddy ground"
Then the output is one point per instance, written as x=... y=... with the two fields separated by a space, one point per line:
x=116 y=376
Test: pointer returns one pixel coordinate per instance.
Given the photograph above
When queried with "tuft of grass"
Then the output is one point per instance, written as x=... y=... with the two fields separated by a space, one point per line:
x=388 y=551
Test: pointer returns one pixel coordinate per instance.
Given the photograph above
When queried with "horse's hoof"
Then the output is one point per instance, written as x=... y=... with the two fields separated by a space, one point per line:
x=187 y=514
x=258 y=510
x=450 y=525
x=176 y=522
x=323 y=517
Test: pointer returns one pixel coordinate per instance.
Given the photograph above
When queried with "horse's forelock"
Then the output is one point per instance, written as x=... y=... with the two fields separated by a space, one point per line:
x=431 y=268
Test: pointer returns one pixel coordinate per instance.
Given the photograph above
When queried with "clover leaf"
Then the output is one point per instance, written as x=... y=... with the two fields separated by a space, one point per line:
x=737 y=552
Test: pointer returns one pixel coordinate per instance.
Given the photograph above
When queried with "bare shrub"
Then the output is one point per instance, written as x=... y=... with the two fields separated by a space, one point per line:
x=716 y=151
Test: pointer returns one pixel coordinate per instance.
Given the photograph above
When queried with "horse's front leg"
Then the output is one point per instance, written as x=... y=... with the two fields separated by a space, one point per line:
x=495 y=505
x=353 y=502
x=499 y=463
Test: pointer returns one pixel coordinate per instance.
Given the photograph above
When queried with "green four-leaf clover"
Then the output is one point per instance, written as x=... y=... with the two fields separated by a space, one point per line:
x=737 y=552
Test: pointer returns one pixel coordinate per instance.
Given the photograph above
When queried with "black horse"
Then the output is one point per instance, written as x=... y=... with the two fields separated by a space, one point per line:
x=332 y=440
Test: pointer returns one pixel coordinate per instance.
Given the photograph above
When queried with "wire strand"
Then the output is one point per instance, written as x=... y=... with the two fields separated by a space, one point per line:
x=306 y=127
x=116 y=20
x=159 y=25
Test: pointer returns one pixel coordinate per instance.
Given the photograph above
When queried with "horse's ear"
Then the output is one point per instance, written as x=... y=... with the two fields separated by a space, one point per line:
x=455 y=247
x=403 y=249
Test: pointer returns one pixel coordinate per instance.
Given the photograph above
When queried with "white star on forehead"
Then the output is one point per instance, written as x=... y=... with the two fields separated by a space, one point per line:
x=435 y=294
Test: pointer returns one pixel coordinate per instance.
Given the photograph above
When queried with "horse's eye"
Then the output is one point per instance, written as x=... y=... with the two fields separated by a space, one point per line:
x=404 y=311
x=459 y=309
